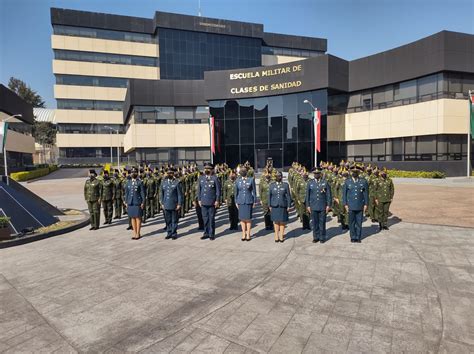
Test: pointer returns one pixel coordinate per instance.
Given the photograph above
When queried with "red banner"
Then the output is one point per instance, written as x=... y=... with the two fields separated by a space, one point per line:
x=211 y=128
x=317 y=130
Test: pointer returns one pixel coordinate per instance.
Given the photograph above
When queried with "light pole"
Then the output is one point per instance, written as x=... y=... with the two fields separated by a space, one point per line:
x=315 y=137
x=118 y=146
x=5 y=145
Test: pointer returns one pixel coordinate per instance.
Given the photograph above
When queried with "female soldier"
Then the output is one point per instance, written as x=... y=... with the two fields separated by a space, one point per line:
x=134 y=199
x=245 y=196
x=279 y=201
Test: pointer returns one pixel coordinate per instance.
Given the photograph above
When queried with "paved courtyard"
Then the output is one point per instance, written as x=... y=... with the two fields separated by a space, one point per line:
x=409 y=289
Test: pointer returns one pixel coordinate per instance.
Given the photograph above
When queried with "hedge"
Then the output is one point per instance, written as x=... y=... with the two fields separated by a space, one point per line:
x=416 y=174
x=27 y=175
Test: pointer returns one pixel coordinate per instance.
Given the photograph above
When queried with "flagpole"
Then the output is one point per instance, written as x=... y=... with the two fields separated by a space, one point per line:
x=316 y=137
x=469 y=137
x=211 y=135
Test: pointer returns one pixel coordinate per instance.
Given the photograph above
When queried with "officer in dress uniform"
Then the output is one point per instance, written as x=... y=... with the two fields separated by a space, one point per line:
x=209 y=193
x=355 y=198
x=108 y=190
x=171 y=197
x=134 y=201
x=245 y=197
x=93 y=195
x=229 y=199
x=317 y=201
x=279 y=199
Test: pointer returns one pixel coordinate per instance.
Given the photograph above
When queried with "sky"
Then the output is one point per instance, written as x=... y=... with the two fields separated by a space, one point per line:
x=353 y=28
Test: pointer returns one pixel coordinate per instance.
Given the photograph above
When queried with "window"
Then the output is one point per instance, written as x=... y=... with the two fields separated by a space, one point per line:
x=104 y=34
x=405 y=90
x=427 y=87
x=104 y=58
x=89 y=105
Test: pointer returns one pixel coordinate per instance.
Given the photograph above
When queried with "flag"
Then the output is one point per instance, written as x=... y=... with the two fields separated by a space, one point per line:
x=211 y=129
x=471 y=111
x=317 y=129
x=3 y=135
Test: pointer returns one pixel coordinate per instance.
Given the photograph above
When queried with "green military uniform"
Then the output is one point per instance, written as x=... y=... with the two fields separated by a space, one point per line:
x=229 y=198
x=118 y=197
x=194 y=198
x=301 y=195
x=108 y=196
x=384 y=194
x=92 y=195
x=263 y=192
x=341 y=212
x=150 y=195
x=372 y=180
x=158 y=178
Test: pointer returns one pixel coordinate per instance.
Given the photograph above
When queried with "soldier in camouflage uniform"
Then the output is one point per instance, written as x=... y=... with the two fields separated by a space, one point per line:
x=150 y=195
x=194 y=198
x=300 y=195
x=372 y=182
x=93 y=196
x=384 y=192
x=342 y=214
x=157 y=176
x=108 y=196
x=118 y=195
x=229 y=199
x=263 y=193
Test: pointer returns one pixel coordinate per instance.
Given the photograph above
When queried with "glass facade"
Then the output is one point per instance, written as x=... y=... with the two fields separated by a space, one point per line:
x=98 y=81
x=290 y=52
x=77 y=128
x=89 y=152
x=177 y=156
x=187 y=54
x=103 y=34
x=432 y=87
x=280 y=127
x=170 y=115
x=442 y=147
x=105 y=58
x=93 y=105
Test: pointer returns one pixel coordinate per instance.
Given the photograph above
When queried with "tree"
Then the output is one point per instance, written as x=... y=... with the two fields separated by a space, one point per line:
x=26 y=92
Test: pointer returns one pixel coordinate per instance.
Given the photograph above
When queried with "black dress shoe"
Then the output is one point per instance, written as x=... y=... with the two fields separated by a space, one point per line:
x=353 y=241
x=385 y=227
x=167 y=237
x=203 y=237
x=242 y=239
x=96 y=228
x=277 y=241
x=315 y=241
x=359 y=241
x=92 y=228
x=248 y=239
x=129 y=228
x=212 y=238
x=174 y=237
x=322 y=241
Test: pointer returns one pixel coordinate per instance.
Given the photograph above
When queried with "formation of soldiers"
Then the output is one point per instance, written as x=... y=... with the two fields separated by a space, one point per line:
x=380 y=191
x=108 y=191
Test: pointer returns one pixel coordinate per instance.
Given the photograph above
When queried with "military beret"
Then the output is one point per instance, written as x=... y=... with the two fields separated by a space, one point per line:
x=116 y=171
x=106 y=172
x=170 y=169
x=208 y=165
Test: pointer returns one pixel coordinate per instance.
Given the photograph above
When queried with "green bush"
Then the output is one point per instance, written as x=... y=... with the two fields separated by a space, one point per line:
x=415 y=174
x=27 y=175
x=4 y=221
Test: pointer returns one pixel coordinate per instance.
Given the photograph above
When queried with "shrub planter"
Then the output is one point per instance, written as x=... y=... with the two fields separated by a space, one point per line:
x=4 y=229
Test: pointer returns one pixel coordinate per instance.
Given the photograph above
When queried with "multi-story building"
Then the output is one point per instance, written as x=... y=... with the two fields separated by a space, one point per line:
x=19 y=144
x=95 y=56
x=406 y=107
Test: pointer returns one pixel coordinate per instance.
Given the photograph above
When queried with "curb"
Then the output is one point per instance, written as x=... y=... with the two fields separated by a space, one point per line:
x=37 y=237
